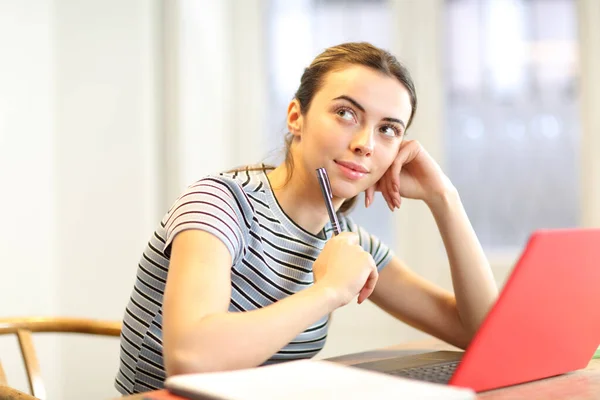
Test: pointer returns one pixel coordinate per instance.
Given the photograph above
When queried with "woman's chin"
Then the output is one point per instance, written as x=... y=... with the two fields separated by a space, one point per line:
x=345 y=191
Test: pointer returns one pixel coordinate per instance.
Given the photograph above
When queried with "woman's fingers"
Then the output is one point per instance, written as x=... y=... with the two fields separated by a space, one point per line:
x=394 y=172
x=369 y=193
x=391 y=195
x=389 y=184
x=388 y=198
x=398 y=200
x=369 y=286
x=409 y=150
x=394 y=187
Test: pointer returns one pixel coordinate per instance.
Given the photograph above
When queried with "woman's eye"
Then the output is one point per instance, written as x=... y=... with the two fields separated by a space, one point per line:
x=389 y=131
x=345 y=114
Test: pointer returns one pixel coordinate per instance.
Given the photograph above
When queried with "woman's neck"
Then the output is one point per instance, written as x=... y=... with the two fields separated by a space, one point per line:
x=300 y=198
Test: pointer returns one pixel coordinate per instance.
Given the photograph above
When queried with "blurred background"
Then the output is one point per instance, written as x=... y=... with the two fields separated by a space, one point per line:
x=109 y=108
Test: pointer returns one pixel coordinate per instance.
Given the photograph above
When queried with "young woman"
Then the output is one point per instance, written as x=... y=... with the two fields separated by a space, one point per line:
x=243 y=269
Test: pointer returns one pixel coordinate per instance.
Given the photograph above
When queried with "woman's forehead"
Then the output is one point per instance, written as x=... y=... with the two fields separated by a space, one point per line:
x=373 y=89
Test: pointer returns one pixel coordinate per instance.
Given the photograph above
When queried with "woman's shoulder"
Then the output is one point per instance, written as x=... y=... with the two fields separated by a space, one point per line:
x=246 y=179
x=226 y=194
x=235 y=186
x=249 y=178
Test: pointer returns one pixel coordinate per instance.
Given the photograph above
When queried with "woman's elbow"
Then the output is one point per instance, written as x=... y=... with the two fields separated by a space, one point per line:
x=183 y=361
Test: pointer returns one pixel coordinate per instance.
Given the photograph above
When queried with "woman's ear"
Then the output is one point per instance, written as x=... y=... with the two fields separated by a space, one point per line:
x=294 y=118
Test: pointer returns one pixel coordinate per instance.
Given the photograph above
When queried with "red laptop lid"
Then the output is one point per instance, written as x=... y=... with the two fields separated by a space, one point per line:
x=547 y=319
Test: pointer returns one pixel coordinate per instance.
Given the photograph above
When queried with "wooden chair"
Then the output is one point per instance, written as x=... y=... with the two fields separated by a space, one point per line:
x=8 y=393
x=23 y=329
x=2 y=376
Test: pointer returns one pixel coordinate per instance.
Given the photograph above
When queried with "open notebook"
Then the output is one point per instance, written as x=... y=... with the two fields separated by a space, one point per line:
x=307 y=379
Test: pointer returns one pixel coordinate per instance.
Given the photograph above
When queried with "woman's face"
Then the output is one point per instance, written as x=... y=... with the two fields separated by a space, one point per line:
x=353 y=128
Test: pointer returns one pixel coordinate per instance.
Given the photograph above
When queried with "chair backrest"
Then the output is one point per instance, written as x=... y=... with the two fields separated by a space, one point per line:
x=23 y=329
x=2 y=375
x=8 y=393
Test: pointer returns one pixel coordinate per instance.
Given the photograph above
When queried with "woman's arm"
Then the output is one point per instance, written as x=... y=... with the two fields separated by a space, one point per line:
x=474 y=286
x=425 y=306
x=200 y=334
x=454 y=318
x=419 y=303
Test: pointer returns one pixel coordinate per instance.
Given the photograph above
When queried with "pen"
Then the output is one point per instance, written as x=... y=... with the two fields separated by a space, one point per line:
x=328 y=195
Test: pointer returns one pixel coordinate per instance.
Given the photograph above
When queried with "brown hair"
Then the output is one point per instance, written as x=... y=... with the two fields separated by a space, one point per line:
x=334 y=59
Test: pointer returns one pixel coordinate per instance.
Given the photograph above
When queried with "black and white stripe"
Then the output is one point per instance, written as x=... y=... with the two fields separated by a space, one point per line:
x=272 y=259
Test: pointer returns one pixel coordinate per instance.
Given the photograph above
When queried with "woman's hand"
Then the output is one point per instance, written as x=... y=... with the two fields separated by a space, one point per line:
x=414 y=174
x=346 y=268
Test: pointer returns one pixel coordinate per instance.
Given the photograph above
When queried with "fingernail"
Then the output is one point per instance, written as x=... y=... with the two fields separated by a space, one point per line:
x=367 y=202
x=396 y=188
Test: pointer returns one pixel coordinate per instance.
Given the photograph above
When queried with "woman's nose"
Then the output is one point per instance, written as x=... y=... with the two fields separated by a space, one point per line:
x=362 y=142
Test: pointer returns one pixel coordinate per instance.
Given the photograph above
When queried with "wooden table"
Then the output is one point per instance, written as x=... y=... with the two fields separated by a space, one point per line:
x=581 y=385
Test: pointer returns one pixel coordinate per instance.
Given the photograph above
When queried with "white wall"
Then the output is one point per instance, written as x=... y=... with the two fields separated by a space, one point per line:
x=79 y=167
x=419 y=241
x=589 y=87
x=199 y=115
x=214 y=86
x=27 y=177
x=106 y=167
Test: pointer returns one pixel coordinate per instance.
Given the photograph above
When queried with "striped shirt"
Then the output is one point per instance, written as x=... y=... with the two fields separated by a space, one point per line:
x=272 y=259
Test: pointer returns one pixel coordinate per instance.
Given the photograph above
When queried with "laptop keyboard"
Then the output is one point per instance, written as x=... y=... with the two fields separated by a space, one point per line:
x=437 y=373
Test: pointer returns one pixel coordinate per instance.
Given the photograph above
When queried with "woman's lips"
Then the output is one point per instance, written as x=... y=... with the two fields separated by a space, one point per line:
x=350 y=171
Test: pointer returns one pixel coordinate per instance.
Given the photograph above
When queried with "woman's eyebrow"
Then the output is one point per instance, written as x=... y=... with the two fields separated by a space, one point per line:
x=351 y=100
x=396 y=120
x=361 y=108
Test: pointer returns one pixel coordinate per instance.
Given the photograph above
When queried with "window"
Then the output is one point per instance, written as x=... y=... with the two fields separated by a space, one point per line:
x=512 y=126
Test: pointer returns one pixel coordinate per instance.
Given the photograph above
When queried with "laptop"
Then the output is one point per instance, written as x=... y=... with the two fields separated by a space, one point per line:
x=546 y=321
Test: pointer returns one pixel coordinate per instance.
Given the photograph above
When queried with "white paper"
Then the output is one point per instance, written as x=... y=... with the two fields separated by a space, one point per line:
x=311 y=379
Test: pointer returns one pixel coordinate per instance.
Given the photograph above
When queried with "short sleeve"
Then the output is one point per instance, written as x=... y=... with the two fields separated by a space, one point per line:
x=381 y=253
x=208 y=205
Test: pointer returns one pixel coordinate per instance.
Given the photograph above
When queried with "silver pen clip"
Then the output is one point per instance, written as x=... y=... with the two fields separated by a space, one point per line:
x=327 y=184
